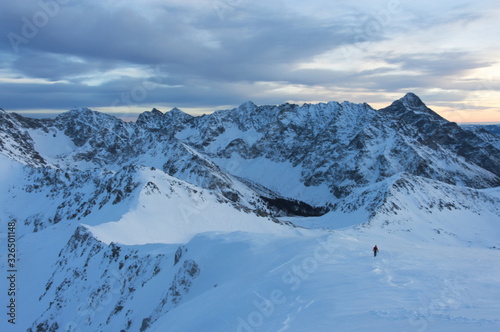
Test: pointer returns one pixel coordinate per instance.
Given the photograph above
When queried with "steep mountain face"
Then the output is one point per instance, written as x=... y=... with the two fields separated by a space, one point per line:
x=287 y=157
x=489 y=133
x=492 y=129
x=417 y=202
x=344 y=146
x=77 y=271
x=120 y=206
x=446 y=139
x=15 y=142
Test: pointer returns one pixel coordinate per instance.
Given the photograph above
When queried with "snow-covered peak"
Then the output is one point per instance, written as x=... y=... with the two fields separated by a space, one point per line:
x=150 y=119
x=86 y=116
x=412 y=100
x=178 y=116
x=410 y=108
x=178 y=112
x=228 y=186
x=248 y=105
x=171 y=121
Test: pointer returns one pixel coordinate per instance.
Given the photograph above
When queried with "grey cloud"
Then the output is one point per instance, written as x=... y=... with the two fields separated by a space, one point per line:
x=439 y=64
x=125 y=35
x=55 y=67
x=208 y=58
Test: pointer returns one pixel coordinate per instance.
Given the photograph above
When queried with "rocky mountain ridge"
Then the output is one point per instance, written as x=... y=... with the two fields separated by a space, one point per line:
x=284 y=152
x=125 y=223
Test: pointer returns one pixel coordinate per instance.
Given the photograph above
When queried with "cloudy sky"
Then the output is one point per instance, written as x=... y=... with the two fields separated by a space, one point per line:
x=125 y=57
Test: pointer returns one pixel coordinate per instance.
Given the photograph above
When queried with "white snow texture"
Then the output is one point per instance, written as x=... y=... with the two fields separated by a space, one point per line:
x=261 y=218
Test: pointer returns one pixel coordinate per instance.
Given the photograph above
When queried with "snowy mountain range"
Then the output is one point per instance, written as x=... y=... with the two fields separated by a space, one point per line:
x=259 y=218
x=480 y=129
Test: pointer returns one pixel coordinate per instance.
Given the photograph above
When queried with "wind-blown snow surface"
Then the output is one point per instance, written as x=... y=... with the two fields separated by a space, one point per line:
x=172 y=211
x=178 y=223
x=310 y=280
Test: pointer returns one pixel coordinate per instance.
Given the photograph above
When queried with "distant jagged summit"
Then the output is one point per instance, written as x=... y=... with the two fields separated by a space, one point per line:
x=177 y=112
x=339 y=145
x=248 y=105
x=125 y=226
x=412 y=100
x=412 y=108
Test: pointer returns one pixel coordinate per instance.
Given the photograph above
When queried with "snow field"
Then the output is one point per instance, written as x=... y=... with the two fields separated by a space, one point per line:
x=437 y=269
x=172 y=211
x=333 y=282
x=256 y=275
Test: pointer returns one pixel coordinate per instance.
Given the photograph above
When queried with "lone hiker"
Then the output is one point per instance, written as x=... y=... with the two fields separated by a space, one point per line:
x=375 y=250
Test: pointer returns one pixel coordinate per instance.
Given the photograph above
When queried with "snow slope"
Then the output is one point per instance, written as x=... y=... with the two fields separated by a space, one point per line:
x=332 y=283
x=436 y=270
x=172 y=211
x=177 y=223
x=243 y=281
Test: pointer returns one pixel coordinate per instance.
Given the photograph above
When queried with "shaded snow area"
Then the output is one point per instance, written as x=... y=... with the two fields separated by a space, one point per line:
x=281 y=177
x=172 y=211
x=240 y=281
x=256 y=219
x=52 y=144
x=181 y=258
